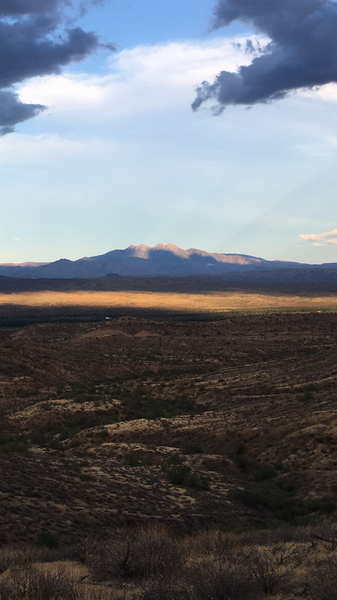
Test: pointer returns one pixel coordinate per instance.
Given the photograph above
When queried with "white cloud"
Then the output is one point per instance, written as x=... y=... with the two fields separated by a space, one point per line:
x=329 y=238
x=326 y=92
x=148 y=78
x=142 y=78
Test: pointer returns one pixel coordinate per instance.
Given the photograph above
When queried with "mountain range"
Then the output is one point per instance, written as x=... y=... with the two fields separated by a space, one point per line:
x=160 y=260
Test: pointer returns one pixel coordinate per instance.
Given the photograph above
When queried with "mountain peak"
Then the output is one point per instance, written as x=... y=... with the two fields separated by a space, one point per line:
x=168 y=247
x=139 y=247
x=146 y=261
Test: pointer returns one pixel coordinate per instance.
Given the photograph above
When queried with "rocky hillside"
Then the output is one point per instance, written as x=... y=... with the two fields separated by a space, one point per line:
x=188 y=424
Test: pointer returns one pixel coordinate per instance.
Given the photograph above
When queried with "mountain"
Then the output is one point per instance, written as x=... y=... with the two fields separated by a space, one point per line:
x=144 y=261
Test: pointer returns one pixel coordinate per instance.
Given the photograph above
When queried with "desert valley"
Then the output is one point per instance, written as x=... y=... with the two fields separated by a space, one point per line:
x=203 y=419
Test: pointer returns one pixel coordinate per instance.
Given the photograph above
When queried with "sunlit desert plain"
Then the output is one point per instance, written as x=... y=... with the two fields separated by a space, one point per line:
x=212 y=302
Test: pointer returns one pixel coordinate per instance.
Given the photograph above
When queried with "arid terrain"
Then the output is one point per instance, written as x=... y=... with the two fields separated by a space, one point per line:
x=51 y=303
x=230 y=423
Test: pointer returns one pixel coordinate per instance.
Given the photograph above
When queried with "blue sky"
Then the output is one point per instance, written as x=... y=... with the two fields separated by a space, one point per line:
x=119 y=158
x=130 y=23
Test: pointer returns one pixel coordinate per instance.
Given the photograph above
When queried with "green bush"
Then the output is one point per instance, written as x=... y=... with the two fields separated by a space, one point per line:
x=307 y=395
x=179 y=473
x=244 y=462
x=47 y=539
x=193 y=448
x=197 y=482
x=103 y=433
x=55 y=444
x=287 y=485
x=13 y=443
x=82 y=398
x=131 y=459
x=270 y=497
x=86 y=477
x=27 y=393
x=325 y=506
x=141 y=405
x=248 y=496
x=43 y=435
x=174 y=459
x=264 y=473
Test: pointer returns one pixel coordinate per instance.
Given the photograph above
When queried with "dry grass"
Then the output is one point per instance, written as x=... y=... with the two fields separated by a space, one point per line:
x=151 y=564
x=209 y=302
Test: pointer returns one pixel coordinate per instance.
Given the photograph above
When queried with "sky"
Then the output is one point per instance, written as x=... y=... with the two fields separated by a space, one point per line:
x=207 y=124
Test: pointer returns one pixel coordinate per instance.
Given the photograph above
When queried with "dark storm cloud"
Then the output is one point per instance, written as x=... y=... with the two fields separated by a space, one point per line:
x=15 y=111
x=11 y=8
x=36 y=39
x=302 y=52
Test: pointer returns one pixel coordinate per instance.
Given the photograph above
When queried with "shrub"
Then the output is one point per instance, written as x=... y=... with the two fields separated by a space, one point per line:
x=307 y=395
x=265 y=472
x=275 y=497
x=141 y=405
x=322 y=581
x=247 y=496
x=131 y=459
x=55 y=444
x=27 y=393
x=325 y=505
x=34 y=584
x=86 y=477
x=287 y=485
x=47 y=539
x=103 y=433
x=193 y=448
x=279 y=466
x=217 y=545
x=267 y=570
x=179 y=473
x=146 y=552
x=13 y=443
x=243 y=461
x=196 y=482
x=159 y=590
x=227 y=582
x=326 y=532
x=19 y=556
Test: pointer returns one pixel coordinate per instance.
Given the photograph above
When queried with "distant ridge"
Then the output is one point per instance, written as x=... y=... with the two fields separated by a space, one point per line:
x=145 y=261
